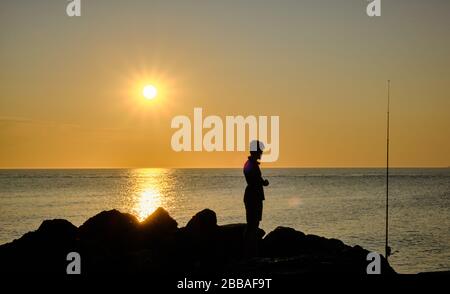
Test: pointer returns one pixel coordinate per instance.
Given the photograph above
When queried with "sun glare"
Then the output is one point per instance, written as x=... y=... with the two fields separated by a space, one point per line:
x=149 y=92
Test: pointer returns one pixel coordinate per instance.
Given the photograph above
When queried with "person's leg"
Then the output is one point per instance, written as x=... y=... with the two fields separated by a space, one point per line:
x=250 y=235
x=258 y=218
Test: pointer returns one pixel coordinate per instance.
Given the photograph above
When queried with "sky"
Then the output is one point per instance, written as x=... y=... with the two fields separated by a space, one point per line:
x=70 y=87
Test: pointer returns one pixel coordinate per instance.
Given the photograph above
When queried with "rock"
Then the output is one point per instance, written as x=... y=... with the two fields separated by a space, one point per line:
x=210 y=246
x=231 y=239
x=115 y=242
x=109 y=232
x=198 y=240
x=159 y=223
x=108 y=224
x=436 y=274
x=203 y=222
x=57 y=230
x=158 y=232
x=283 y=242
x=110 y=238
x=286 y=247
x=289 y=242
x=43 y=250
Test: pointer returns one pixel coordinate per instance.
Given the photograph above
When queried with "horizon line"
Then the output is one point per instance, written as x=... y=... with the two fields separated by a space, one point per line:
x=187 y=167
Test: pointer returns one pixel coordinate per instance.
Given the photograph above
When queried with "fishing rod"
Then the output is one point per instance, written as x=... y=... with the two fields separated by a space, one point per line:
x=387 y=249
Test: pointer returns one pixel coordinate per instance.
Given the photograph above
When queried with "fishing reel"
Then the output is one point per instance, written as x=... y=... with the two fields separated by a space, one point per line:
x=388 y=251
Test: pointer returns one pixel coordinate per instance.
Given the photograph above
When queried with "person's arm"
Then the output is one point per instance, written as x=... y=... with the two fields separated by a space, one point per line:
x=264 y=182
x=254 y=177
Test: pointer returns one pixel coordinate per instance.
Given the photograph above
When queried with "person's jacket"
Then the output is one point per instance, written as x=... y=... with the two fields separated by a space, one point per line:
x=254 y=190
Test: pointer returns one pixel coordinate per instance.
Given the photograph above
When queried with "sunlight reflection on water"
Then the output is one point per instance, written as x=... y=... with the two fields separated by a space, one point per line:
x=147 y=192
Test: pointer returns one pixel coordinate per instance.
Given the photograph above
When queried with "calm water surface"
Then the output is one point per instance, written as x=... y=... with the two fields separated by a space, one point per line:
x=347 y=204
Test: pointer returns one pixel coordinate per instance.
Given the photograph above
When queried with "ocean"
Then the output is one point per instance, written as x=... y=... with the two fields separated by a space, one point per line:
x=347 y=204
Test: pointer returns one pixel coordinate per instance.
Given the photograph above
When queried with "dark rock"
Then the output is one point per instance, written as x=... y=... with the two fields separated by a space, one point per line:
x=288 y=248
x=106 y=236
x=283 y=242
x=43 y=250
x=110 y=230
x=289 y=242
x=198 y=240
x=108 y=225
x=159 y=223
x=157 y=233
x=57 y=229
x=115 y=242
x=204 y=221
x=437 y=274
x=207 y=246
x=110 y=237
x=290 y=267
x=231 y=239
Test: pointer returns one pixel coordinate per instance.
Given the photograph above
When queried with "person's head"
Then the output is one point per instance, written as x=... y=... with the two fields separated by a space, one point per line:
x=256 y=149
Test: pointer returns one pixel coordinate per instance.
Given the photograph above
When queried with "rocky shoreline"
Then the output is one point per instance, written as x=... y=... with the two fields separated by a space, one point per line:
x=115 y=242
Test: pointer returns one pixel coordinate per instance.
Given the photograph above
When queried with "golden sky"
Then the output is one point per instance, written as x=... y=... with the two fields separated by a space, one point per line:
x=70 y=86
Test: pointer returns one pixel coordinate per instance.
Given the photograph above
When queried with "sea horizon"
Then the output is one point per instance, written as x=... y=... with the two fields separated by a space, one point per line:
x=174 y=167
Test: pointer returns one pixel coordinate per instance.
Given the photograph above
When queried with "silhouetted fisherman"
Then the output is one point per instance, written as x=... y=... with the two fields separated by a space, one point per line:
x=253 y=197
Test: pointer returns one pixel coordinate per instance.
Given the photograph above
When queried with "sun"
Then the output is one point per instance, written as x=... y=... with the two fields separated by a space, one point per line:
x=149 y=92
